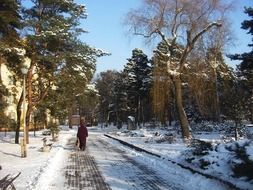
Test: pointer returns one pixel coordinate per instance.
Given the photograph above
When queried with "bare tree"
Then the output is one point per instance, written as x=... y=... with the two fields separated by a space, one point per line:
x=177 y=22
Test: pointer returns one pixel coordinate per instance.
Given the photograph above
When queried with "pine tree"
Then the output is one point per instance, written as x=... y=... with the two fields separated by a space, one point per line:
x=76 y=73
x=138 y=83
x=9 y=24
x=245 y=68
x=53 y=47
x=9 y=21
x=108 y=102
x=120 y=99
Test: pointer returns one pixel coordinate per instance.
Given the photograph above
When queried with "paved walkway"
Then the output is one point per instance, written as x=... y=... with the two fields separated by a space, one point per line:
x=82 y=172
x=121 y=169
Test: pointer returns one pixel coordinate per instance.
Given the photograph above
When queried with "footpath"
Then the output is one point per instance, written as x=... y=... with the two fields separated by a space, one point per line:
x=82 y=172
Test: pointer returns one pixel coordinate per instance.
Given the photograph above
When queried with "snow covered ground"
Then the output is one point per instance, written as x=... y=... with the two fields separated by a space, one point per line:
x=38 y=166
x=217 y=160
x=40 y=169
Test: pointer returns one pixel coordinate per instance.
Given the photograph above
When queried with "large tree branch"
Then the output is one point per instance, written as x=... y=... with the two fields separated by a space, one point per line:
x=191 y=42
x=144 y=35
x=44 y=93
x=175 y=26
x=163 y=37
x=209 y=26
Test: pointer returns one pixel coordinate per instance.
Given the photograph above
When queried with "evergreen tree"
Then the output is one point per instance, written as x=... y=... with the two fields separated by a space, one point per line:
x=245 y=68
x=52 y=45
x=76 y=73
x=9 y=21
x=105 y=84
x=9 y=24
x=52 y=27
x=120 y=99
x=138 y=84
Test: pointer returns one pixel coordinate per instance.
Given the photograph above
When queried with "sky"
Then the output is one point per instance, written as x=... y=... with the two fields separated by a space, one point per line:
x=107 y=32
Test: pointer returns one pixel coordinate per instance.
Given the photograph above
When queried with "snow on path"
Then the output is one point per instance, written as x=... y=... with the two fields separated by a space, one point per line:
x=121 y=167
x=125 y=169
x=52 y=177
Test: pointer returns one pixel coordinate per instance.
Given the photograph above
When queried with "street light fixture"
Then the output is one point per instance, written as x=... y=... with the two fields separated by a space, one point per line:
x=24 y=70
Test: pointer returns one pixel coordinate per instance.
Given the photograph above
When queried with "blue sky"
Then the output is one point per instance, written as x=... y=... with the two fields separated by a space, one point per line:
x=107 y=32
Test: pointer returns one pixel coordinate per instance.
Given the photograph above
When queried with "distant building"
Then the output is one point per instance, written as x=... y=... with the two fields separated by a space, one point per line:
x=14 y=88
x=75 y=120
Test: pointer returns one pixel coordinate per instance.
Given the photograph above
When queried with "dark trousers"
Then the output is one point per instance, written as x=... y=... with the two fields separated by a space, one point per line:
x=82 y=145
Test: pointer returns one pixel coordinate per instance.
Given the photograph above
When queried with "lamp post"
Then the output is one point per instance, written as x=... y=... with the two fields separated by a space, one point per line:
x=24 y=71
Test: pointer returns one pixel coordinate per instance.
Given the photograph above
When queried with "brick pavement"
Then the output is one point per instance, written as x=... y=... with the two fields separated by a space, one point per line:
x=82 y=172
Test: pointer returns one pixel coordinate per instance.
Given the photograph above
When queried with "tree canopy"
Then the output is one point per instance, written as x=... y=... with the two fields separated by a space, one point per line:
x=245 y=68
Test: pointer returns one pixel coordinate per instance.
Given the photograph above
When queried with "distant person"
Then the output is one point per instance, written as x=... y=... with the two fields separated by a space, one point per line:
x=82 y=134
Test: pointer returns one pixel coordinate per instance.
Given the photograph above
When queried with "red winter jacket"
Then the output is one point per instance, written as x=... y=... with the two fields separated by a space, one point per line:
x=82 y=132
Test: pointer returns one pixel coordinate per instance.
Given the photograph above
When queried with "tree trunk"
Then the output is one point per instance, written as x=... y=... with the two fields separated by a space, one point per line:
x=236 y=131
x=29 y=100
x=142 y=113
x=252 y=114
x=1 y=71
x=181 y=112
x=34 y=128
x=27 y=123
x=139 y=111
x=18 y=119
x=251 y=105
x=70 y=118
x=216 y=97
x=199 y=102
x=169 y=114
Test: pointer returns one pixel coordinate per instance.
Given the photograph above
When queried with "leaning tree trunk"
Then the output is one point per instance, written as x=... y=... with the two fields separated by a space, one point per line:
x=181 y=112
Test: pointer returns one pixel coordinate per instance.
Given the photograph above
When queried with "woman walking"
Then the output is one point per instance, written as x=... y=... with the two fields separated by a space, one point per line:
x=82 y=134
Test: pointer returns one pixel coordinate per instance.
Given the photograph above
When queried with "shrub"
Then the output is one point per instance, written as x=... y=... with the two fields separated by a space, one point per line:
x=200 y=148
x=242 y=165
x=195 y=155
x=244 y=169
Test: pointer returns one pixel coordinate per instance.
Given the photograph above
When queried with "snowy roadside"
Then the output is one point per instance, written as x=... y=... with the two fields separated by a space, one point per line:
x=219 y=161
x=39 y=168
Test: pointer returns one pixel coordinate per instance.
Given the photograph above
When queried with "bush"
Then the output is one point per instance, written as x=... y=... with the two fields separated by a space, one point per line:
x=204 y=163
x=200 y=148
x=242 y=165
